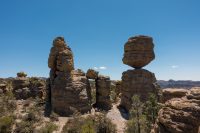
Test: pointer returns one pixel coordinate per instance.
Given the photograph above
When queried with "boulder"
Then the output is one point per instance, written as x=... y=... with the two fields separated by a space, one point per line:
x=194 y=93
x=92 y=74
x=170 y=93
x=138 y=51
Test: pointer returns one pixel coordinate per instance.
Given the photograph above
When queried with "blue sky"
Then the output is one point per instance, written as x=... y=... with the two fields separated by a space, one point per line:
x=96 y=30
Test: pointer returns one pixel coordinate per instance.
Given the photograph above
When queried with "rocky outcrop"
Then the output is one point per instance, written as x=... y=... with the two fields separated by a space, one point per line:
x=180 y=115
x=37 y=87
x=103 y=85
x=24 y=87
x=20 y=82
x=138 y=51
x=69 y=88
x=169 y=93
x=3 y=86
x=21 y=86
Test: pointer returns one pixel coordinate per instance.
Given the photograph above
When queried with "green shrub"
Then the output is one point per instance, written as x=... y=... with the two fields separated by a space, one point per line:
x=104 y=125
x=91 y=124
x=6 y=123
x=24 y=127
x=7 y=104
x=49 y=128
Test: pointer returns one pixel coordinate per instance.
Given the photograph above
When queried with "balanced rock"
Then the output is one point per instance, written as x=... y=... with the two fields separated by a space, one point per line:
x=21 y=74
x=137 y=82
x=69 y=88
x=92 y=74
x=20 y=82
x=138 y=51
x=180 y=115
x=103 y=85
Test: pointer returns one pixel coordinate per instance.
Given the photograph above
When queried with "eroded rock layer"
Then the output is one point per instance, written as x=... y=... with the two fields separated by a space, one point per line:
x=69 y=88
x=180 y=115
x=138 y=51
x=169 y=93
x=24 y=87
x=137 y=82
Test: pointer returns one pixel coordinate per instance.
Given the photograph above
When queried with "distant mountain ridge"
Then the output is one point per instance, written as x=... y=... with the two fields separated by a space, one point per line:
x=187 y=84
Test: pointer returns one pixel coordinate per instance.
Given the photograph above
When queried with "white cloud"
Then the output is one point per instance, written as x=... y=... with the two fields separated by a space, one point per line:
x=174 y=66
x=100 y=68
x=96 y=68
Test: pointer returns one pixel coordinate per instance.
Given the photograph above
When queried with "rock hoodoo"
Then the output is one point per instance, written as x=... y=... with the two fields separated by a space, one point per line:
x=103 y=85
x=68 y=88
x=138 y=53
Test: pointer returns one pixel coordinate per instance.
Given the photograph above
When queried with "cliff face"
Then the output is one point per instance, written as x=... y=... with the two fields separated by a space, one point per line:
x=187 y=84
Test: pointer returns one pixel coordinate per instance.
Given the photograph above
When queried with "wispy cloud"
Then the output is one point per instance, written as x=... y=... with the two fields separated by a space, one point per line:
x=174 y=66
x=96 y=68
x=100 y=68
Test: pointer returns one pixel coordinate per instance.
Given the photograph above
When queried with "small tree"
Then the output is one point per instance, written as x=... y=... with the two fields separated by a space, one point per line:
x=151 y=110
x=137 y=122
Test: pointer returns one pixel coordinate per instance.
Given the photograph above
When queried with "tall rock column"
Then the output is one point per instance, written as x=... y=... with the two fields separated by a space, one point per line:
x=68 y=87
x=138 y=52
x=103 y=85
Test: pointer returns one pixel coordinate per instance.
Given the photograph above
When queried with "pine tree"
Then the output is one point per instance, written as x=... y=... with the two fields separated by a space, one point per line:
x=151 y=110
x=137 y=122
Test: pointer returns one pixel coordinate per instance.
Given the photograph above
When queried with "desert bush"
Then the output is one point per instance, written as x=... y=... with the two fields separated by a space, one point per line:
x=93 y=95
x=113 y=93
x=49 y=128
x=104 y=125
x=7 y=104
x=21 y=74
x=113 y=96
x=54 y=116
x=90 y=124
x=6 y=123
x=24 y=127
